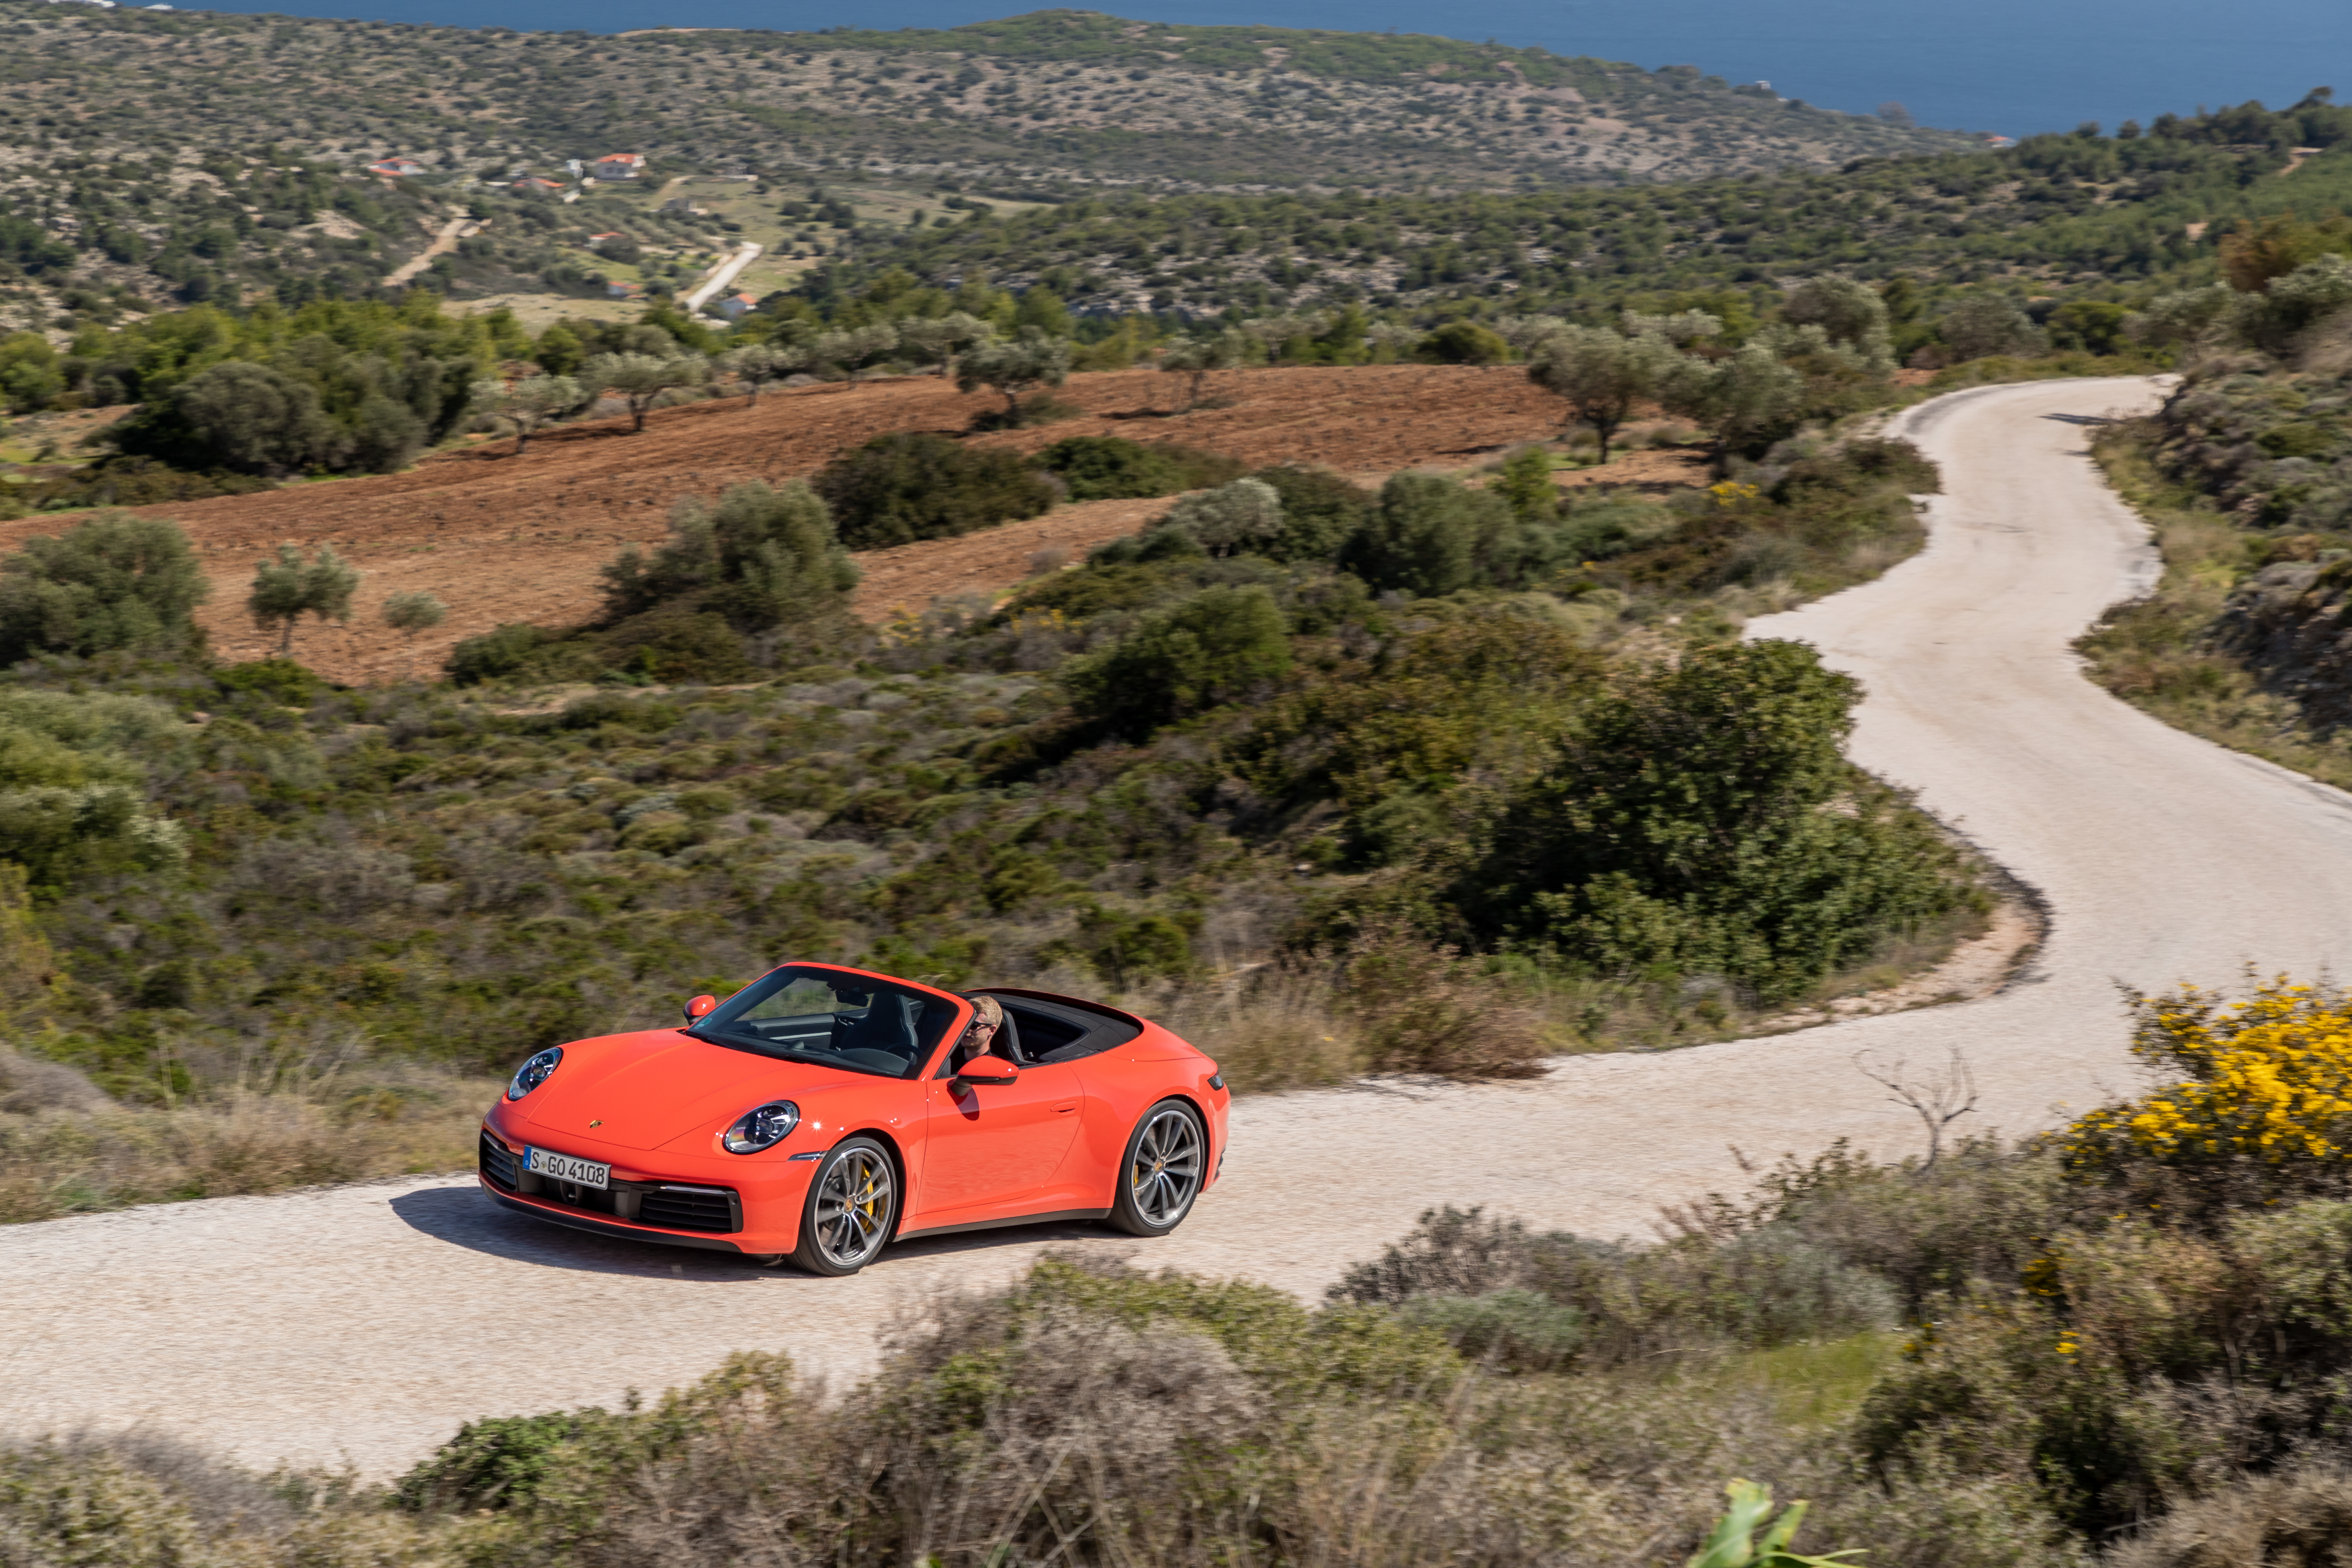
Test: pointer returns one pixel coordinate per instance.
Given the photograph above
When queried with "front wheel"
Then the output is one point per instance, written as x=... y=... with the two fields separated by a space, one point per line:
x=851 y=1204
x=1166 y=1159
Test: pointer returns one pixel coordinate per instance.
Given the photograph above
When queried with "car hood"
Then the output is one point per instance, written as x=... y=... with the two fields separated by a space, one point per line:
x=645 y=1090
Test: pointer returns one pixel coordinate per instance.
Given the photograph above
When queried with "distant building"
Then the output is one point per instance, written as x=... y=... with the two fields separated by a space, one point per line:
x=396 y=168
x=1995 y=139
x=683 y=206
x=617 y=289
x=619 y=166
x=734 y=307
x=532 y=185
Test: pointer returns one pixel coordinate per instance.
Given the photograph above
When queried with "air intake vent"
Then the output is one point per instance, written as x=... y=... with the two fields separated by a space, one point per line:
x=497 y=1162
x=690 y=1209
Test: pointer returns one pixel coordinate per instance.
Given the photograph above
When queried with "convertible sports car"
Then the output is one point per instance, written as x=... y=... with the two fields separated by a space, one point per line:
x=823 y=1112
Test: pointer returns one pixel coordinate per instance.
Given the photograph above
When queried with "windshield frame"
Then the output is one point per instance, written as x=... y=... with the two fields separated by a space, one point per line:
x=707 y=1028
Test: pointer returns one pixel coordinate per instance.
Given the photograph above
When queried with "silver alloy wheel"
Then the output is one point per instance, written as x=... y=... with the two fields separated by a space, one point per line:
x=853 y=1208
x=1165 y=1174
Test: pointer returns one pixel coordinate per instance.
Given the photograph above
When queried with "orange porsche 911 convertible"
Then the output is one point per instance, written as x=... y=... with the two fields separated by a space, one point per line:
x=823 y=1112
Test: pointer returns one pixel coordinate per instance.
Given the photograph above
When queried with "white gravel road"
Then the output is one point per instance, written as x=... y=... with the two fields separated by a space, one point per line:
x=366 y=1324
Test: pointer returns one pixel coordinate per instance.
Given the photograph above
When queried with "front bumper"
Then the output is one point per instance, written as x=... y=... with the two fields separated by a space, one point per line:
x=746 y=1206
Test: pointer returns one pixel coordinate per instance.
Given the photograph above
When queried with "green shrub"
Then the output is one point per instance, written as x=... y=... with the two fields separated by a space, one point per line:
x=1511 y=1329
x=112 y=581
x=1210 y=649
x=1430 y=536
x=914 y=485
x=1320 y=512
x=1689 y=828
x=1462 y=342
x=1106 y=468
x=760 y=557
x=497 y=654
x=501 y=1462
x=1243 y=518
x=1756 y=1290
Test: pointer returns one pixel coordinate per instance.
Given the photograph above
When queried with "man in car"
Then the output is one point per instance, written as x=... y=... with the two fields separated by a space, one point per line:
x=980 y=1035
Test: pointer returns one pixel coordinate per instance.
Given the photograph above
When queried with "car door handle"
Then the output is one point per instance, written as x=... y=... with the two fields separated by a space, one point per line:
x=1065 y=1106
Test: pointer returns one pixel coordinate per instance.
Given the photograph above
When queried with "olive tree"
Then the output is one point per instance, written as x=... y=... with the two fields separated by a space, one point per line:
x=640 y=378
x=756 y=365
x=286 y=587
x=1603 y=375
x=527 y=403
x=1197 y=357
x=1746 y=400
x=1012 y=365
x=938 y=339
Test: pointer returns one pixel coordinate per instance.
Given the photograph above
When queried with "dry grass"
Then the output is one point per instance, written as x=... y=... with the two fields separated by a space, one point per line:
x=65 y=1148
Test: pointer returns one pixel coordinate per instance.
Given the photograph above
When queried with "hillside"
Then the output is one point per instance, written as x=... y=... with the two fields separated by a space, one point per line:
x=189 y=155
x=2056 y=212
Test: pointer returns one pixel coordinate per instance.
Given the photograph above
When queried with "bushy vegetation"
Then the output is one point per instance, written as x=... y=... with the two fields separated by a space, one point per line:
x=898 y=489
x=2246 y=473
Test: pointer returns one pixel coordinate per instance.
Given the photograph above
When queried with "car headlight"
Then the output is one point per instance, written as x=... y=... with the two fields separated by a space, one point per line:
x=765 y=1128
x=534 y=1072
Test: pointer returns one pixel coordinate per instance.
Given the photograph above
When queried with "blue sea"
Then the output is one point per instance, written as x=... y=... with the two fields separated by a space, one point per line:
x=2015 y=67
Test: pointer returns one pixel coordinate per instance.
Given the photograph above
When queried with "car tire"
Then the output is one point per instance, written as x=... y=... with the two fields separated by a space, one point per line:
x=1167 y=1163
x=852 y=1209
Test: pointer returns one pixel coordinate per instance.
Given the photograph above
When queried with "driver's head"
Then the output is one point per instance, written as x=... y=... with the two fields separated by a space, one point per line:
x=980 y=1035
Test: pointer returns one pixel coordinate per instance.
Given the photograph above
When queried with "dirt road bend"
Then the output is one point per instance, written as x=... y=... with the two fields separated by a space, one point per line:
x=367 y=1323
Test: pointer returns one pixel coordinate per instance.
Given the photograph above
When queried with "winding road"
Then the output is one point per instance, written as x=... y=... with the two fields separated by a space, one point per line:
x=365 y=1323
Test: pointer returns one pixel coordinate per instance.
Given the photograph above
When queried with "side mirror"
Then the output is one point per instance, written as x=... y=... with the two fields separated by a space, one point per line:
x=988 y=1069
x=698 y=1006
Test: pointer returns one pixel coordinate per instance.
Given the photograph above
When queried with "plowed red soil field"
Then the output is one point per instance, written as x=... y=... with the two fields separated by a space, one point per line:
x=502 y=538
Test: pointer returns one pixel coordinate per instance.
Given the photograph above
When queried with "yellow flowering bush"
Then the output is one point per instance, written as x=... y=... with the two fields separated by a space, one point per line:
x=2267 y=1084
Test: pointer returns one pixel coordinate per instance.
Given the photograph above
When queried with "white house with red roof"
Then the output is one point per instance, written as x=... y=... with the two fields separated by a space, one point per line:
x=619 y=166
x=396 y=168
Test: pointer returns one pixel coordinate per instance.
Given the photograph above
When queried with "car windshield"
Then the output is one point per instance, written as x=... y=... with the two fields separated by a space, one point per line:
x=824 y=1016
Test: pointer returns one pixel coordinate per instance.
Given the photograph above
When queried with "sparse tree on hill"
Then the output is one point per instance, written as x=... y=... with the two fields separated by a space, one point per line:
x=640 y=378
x=1603 y=375
x=527 y=403
x=1894 y=113
x=1197 y=357
x=855 y=346
x=287 y=587
x=756 y=365
x=938 y=339
x=1012 y=365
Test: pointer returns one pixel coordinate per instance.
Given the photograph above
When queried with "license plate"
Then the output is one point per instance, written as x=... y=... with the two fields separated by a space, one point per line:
x=564 y=1168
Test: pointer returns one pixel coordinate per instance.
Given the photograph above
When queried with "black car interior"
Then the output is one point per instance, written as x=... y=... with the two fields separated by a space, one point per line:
x=1047 y=1030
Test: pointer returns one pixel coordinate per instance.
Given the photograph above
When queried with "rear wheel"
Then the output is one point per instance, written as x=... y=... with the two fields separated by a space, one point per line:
x=1161 y=1175
x=851 y=1204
